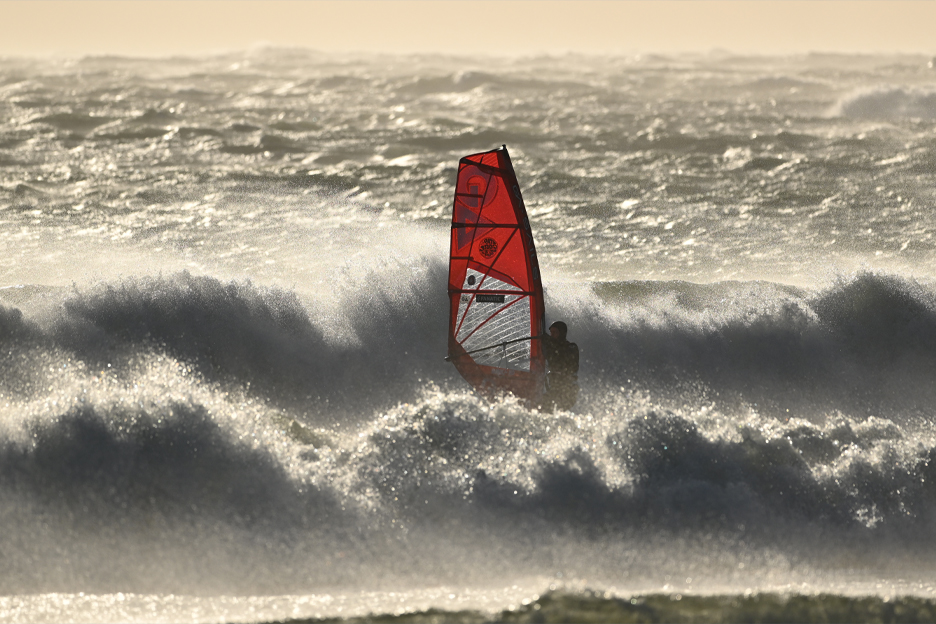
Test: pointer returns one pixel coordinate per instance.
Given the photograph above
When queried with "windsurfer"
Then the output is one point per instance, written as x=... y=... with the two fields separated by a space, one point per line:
x=563 y=359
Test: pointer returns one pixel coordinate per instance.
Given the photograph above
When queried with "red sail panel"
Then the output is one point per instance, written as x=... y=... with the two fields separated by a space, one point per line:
x=495 y=293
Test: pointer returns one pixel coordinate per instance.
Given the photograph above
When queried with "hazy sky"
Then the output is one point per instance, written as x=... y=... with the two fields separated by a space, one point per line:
x=138 y=27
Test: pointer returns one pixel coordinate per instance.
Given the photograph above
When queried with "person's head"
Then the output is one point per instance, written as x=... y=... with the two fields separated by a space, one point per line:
x=558 y=330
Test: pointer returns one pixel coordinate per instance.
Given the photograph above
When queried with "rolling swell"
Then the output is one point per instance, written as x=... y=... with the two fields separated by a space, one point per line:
x=156 y=483
x=367 y=345
x=231 y=330
x=862 y=346
x=169 y=457
x=645 y=468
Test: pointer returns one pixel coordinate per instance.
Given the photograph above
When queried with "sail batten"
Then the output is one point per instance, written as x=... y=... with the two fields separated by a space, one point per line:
x=496 y=297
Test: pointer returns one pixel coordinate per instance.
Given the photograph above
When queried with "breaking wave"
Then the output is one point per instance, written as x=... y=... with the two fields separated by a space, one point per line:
x=228 y=435
x=863 y=346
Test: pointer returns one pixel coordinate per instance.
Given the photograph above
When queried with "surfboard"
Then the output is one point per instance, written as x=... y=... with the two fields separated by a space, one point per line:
x=496 y=306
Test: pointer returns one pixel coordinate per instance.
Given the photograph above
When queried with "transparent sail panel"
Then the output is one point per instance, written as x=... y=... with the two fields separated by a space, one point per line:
x=488 y=324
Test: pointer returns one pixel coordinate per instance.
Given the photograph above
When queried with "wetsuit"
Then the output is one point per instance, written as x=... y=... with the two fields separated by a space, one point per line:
x=562 y=379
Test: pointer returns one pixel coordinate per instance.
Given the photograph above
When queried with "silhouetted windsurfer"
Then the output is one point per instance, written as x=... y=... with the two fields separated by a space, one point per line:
x=562 y=357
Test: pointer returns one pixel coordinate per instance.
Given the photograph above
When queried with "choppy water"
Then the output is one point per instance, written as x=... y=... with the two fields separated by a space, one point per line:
x=222 y=316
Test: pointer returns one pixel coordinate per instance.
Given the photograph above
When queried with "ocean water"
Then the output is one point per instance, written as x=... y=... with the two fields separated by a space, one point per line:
x=222 y=330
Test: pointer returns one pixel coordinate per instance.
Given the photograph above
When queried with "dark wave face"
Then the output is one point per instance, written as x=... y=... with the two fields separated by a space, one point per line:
x=863 y=346
x=222 y=330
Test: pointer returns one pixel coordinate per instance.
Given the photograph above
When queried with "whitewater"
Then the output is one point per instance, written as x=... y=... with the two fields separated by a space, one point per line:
x=223 y=320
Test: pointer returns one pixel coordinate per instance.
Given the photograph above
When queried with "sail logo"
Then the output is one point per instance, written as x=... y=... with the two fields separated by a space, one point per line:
x=488 y=247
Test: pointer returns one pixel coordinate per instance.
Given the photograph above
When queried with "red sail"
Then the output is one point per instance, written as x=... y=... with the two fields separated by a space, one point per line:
x=495 y=293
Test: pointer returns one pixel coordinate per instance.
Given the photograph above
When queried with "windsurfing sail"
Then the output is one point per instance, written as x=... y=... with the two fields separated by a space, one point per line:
x=496 y=307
